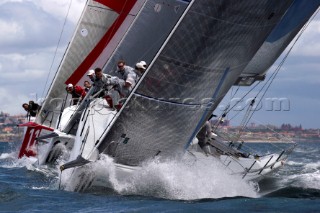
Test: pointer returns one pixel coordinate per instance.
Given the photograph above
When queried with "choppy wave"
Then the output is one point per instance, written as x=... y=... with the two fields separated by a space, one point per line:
x=294 y=163
x=296 y=192
x=199 y=180
x=171 y=180
x=303 y=148
x=5 y=156
x=314 y=165
x=13 y=162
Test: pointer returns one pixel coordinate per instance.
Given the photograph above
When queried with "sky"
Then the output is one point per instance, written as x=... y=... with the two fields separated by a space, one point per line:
x=31 y=50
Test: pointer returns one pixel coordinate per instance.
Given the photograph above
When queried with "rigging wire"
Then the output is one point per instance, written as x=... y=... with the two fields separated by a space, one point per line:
x=228 y=109
x=272 y=77
x=56 y=50
x=267 y=84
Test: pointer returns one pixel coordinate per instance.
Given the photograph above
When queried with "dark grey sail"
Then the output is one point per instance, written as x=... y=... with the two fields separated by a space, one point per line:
x=291 y=23
x=147 y=33
x=203 y=57
x=156 y=20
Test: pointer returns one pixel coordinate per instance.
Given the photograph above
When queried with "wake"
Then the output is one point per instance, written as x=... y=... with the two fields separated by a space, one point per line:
x=171 y=179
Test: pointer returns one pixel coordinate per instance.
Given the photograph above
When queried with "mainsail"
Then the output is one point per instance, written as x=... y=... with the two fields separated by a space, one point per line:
x=200 y=60
x=100 y=22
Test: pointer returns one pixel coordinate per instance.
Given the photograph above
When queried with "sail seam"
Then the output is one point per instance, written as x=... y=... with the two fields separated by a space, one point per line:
x=106 y=9
x=166 y=101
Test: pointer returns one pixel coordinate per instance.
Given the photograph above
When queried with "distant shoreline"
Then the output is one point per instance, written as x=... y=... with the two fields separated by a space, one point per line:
x=245 y=141
x=266 y=141
x=279 y=141
x=8 y=141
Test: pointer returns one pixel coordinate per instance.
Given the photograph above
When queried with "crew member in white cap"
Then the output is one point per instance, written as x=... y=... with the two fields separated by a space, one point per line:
x=139 y=70
x=77 y=92
x=90 y=74
x=144 y=64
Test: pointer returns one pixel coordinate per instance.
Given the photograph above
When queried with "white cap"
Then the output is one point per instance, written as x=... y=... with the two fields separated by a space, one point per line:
x=90 y=72
x=140 y=66
x=69 y=85
x=143 y=63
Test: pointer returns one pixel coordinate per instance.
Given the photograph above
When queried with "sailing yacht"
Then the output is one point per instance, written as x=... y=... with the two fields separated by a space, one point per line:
x=196 y=51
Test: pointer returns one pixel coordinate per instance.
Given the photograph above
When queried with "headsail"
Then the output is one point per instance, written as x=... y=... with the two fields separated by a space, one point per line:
x=207 y=51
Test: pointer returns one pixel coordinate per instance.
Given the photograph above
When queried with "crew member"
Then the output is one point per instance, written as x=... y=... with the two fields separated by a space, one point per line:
x=32 y=108
x=77 y=92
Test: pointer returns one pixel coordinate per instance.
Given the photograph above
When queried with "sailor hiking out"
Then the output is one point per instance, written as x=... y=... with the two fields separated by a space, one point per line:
x=107 y=86
x=127 y=74
x=32 y=108
x=77 y=93
x=114 y=88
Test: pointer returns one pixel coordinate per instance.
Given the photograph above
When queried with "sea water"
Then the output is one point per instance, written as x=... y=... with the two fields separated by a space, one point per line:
x=164 y=187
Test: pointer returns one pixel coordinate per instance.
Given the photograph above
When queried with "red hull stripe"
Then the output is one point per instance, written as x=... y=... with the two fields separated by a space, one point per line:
x=34 y=125
x=123 y=7
x=33 y=131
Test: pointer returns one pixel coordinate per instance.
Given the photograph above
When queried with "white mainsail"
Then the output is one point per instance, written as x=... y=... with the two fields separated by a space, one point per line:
x=101 y=26
x=97 y=28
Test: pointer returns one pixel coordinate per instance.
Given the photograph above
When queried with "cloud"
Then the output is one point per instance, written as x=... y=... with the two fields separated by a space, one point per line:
x=26 y=31
x=30 y=30
x=9 y=32
x=17 y=67
x=11 y=101
x=308 y=44
x=297 y=70
x=59 y=8
x=35 y=24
